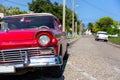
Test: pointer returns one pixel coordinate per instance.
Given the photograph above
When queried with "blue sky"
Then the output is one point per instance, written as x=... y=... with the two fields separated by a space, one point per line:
x=87 y=10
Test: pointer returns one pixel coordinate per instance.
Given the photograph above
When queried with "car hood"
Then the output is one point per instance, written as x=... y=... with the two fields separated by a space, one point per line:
x=17 y=35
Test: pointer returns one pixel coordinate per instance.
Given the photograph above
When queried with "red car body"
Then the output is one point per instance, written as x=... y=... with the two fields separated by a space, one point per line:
x=23 y=47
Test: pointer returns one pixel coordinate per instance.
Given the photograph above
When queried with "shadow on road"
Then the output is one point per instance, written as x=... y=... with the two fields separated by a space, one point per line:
x=37 y=75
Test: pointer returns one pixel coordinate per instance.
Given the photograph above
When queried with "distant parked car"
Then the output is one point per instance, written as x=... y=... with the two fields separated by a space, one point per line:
x=101 y=35
x=115 y=35
x=32 y=41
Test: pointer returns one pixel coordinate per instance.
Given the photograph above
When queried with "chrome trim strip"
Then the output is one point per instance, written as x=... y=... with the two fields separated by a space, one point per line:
x=26 y=48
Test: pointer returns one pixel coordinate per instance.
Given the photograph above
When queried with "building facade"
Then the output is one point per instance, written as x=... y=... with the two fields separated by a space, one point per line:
x=2 y=15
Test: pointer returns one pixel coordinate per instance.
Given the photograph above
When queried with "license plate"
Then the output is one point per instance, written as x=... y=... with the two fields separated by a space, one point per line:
x=7 y=69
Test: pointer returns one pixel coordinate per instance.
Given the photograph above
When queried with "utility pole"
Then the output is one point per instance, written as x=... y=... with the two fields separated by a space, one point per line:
x=64 y=12
x=76 y=27
x=73 y=18
x=81 y=28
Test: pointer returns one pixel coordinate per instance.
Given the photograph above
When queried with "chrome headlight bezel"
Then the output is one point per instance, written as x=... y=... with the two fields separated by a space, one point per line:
x=44 y=39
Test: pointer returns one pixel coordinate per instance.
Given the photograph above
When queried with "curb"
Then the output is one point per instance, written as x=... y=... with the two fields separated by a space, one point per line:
x=72 y=41
x=114 y=44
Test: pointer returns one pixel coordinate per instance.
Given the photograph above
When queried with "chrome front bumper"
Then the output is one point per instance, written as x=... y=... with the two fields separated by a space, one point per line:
x=41 y=62
x=32 y=62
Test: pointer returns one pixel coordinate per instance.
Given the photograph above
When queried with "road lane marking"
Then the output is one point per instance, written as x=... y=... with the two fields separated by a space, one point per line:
x=82 y=72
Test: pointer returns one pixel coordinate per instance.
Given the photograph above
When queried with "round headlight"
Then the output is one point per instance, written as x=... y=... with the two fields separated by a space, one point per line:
x=44 y=39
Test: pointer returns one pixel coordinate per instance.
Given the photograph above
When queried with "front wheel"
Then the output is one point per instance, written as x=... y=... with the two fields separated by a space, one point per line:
x=66 y=55
x=55 y=71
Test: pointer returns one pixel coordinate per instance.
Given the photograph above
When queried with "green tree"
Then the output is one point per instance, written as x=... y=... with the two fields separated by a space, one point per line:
x=2 y=8
x=90 y=26
x=11 y=10
x=96 y=27
x=104 y=24
x=39 y=6
x=14 y=11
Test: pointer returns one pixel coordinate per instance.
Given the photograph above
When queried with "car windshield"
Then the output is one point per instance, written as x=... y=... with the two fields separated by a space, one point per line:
x=28 y=22
x=103 y=33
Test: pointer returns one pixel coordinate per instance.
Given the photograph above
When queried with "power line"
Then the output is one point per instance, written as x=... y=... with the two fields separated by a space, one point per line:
x=98 y=8
x=16 y=3
x=69 y=3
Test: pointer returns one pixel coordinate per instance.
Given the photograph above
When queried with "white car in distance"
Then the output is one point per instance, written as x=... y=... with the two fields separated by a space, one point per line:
x=101 y=35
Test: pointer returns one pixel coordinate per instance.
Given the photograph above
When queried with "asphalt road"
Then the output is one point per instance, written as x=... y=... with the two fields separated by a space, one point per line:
x=87 y=60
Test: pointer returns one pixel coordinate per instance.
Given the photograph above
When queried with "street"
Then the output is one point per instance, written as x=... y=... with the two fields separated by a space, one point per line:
x=94 y=60
x=87 y=60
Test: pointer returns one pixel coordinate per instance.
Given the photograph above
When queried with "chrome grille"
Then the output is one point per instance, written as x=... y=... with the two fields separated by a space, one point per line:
x=39 y=52
x=15 y=55
x=10 y=56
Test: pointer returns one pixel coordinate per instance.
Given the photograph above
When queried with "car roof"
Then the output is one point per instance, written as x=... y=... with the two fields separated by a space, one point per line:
x=101 y=32
x=31 y=14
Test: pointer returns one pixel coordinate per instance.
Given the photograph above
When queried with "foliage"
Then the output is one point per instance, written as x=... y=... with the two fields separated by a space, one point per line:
x=46 y=6
x=2 y=8
x=104 y=24
x=11 y=10
x=90 y=26
x=39 y=6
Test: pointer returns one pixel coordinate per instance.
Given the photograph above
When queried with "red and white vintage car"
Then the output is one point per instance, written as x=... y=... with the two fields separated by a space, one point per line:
x=31 y=41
